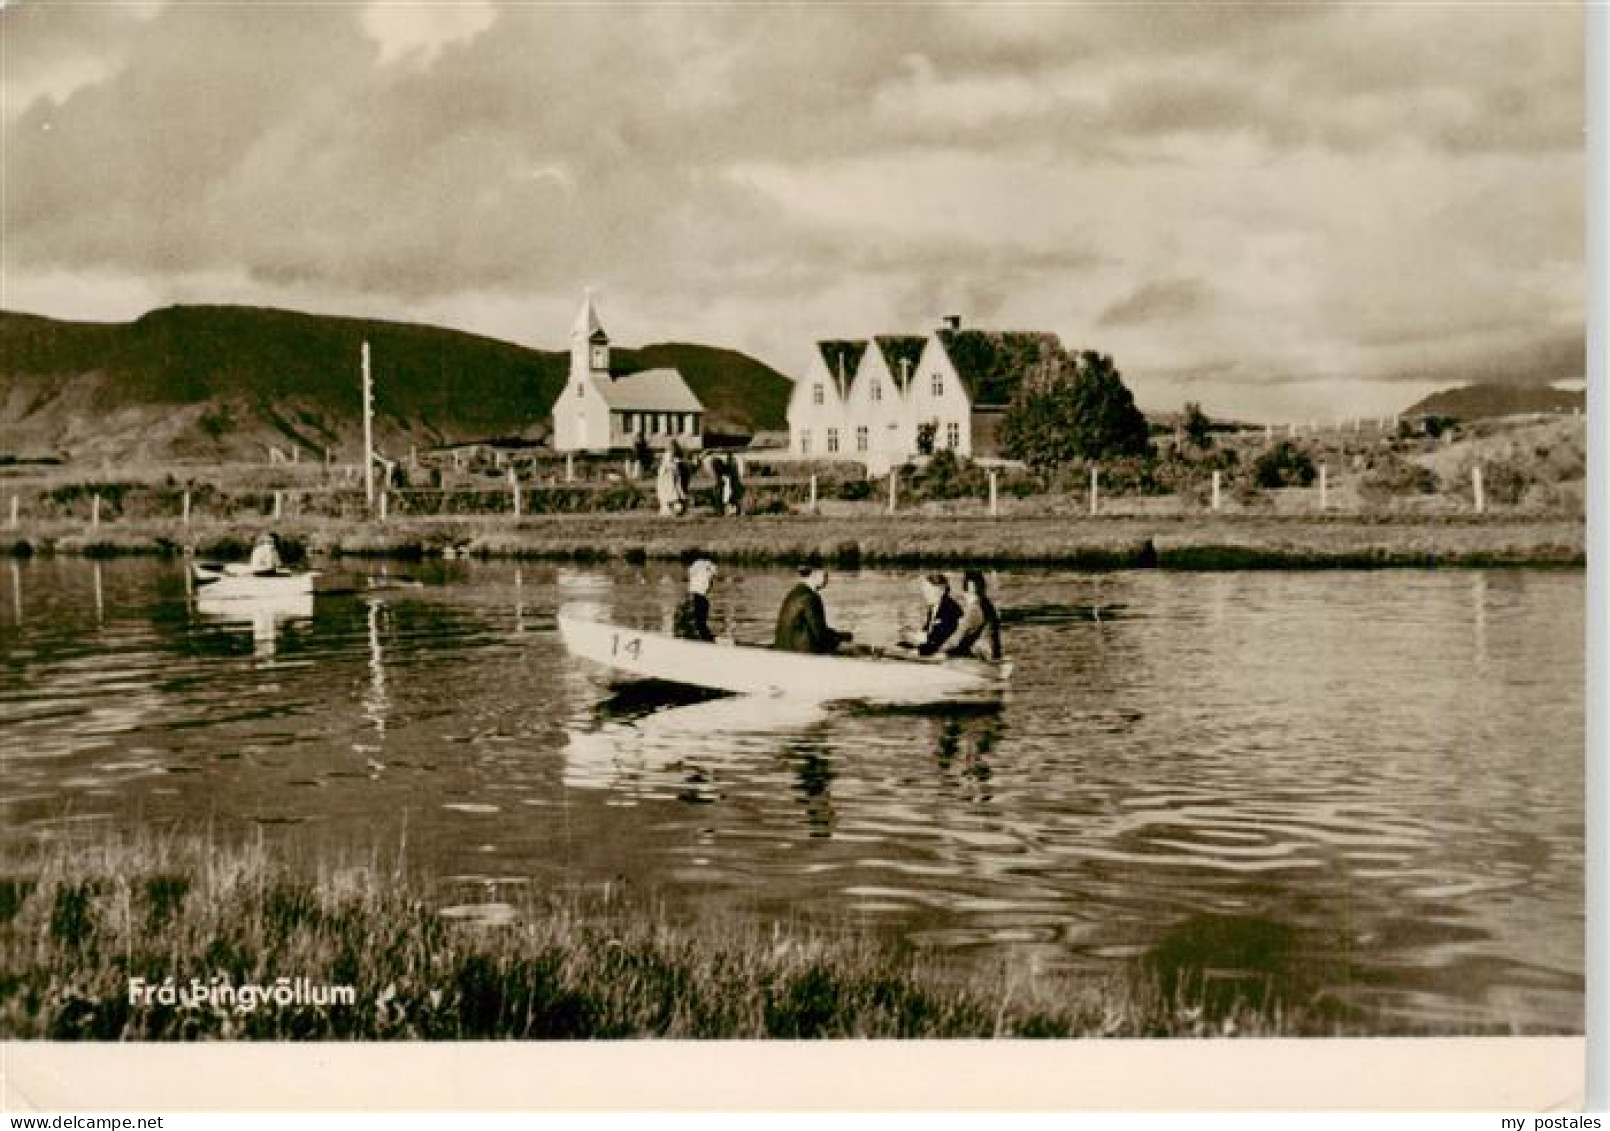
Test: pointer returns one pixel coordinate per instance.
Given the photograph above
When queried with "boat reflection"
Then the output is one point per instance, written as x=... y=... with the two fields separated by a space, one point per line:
x=629 y=742
x=266 y=616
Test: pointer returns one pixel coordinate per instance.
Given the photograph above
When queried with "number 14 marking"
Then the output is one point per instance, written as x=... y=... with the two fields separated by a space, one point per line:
x=633 y=646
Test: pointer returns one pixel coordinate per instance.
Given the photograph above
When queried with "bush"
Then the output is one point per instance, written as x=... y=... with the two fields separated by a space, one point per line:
x=1284 y=465
x=1395 y=477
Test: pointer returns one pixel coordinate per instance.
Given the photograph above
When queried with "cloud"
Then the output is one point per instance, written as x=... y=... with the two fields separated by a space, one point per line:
x=1168 y=300
x=420 y=32
x=1322 y=192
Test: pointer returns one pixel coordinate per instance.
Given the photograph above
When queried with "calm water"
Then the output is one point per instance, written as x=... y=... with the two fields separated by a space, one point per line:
x=1366 y=784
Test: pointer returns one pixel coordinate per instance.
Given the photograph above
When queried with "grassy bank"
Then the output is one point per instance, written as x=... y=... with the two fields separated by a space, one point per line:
x=873 y=539
x=77 y=924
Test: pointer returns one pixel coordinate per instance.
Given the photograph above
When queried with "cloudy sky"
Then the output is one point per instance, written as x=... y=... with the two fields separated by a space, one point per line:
x=1279 y=211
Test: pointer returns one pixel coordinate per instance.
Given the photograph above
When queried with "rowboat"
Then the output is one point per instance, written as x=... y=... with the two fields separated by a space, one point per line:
x=747 y=670
x=238 y=582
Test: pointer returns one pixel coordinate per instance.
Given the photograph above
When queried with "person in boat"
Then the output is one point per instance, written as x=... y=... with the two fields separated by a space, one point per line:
x=265 y=554
x=692 y=619
x=979 y=634
x=802 y=621
x=942 y=618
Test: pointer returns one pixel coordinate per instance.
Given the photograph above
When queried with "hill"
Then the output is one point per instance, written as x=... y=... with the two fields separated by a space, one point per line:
x=226 y=382
x=1479 y=402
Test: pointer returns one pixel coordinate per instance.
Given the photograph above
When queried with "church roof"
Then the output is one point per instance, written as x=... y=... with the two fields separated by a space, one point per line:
x=650 y=390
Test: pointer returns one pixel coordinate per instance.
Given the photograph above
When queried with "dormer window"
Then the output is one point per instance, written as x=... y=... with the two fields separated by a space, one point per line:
x=600 y=357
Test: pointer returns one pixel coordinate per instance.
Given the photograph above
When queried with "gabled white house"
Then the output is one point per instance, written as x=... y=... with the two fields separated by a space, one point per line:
x=817 y=407
x=957 y=381
x=602 y=408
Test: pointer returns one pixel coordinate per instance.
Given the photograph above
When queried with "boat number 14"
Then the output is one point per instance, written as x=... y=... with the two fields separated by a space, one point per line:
x=633 y=646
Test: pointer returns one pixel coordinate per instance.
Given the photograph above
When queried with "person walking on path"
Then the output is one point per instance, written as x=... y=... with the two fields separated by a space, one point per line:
x=668 y=486
x=802 y=621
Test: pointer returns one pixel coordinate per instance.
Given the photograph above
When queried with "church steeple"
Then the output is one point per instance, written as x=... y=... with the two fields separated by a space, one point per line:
x=589 y=344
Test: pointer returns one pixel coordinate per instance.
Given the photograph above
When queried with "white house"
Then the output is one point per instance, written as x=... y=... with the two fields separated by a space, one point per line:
x=867 y=400
x=601 y=407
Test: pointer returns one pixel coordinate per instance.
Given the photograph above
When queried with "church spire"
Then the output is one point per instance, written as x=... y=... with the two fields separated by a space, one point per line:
x=587 y=324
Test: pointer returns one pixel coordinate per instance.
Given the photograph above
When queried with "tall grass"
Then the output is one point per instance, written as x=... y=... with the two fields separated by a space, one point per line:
x=77 y=923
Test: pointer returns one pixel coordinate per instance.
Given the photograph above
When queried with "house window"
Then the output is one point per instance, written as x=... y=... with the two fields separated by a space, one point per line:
x=816 y=393
x=832 y=440
x=876 y=392
x=860 y=437
x=953 y=435
x=805 y=442
x=939 y=385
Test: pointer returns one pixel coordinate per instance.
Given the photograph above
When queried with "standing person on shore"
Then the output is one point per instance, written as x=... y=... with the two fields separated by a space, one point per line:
x=979 y=634
x=266 y=554
x=692 y=619
x=944 y=614
x=718 y=468
x=802 y=621
x=642 y=455
x=732 y=489
x=668 y=486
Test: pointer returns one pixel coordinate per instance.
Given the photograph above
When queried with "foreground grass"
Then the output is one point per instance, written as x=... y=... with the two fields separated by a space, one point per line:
x=850 y=541
x=76 y=925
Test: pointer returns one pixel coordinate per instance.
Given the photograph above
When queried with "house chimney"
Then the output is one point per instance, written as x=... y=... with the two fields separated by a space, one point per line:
x=953 y=321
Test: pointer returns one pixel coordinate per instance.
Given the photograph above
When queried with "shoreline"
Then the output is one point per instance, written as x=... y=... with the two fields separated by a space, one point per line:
x=1185 y=542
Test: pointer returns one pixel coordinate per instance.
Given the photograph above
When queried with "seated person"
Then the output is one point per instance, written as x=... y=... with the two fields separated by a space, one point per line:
x=979 y=634
x=802 y=621
x=939 y=625
x=265 y=555
x=692 y=619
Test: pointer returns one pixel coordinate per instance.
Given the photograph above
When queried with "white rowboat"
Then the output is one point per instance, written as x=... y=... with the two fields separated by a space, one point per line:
x=747 y=670
x=238 y=582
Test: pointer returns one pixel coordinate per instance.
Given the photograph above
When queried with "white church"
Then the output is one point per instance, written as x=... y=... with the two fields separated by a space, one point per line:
x=602 y=408
x=866 y=399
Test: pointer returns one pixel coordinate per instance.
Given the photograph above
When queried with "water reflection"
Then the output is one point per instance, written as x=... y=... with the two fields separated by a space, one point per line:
x=16 y=592
x=376 y=697
x=266 y=616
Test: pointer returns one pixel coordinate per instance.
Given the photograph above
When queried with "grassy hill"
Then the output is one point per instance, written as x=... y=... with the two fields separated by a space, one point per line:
x=225 y=382
x=1481 y=402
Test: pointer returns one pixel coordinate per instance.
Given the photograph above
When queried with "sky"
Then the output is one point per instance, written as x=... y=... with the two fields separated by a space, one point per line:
x=1281 y=212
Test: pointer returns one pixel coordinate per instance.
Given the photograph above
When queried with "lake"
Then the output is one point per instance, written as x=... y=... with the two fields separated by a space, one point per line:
x=1362 y=785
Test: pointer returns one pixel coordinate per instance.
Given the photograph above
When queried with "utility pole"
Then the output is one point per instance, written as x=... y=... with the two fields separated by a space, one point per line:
x=368 y=432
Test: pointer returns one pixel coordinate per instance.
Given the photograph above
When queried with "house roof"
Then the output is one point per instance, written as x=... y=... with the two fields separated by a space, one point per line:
x=898 y=349
x=843 y=359
x=650 y=390
x=992 y=363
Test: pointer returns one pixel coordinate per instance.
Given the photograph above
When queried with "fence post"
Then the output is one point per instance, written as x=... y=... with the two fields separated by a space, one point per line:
x=570 y=467
x=1324 y=487
x=894 y=488
x=95 y=511
x=994 y=497
x=1476 y=486
x=13 y=512
x=184 y=510
x=1268 y=432
x=813 y=495
x=279 y=505
x=514 y=491
x=385 y=496
x=1095 y=489
x=1215 y=490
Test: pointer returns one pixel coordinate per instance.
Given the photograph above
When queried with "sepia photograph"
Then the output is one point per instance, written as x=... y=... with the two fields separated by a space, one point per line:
x=775 y=530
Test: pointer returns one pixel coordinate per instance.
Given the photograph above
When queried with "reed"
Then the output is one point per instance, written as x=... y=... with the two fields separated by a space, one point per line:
x=79 y=921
